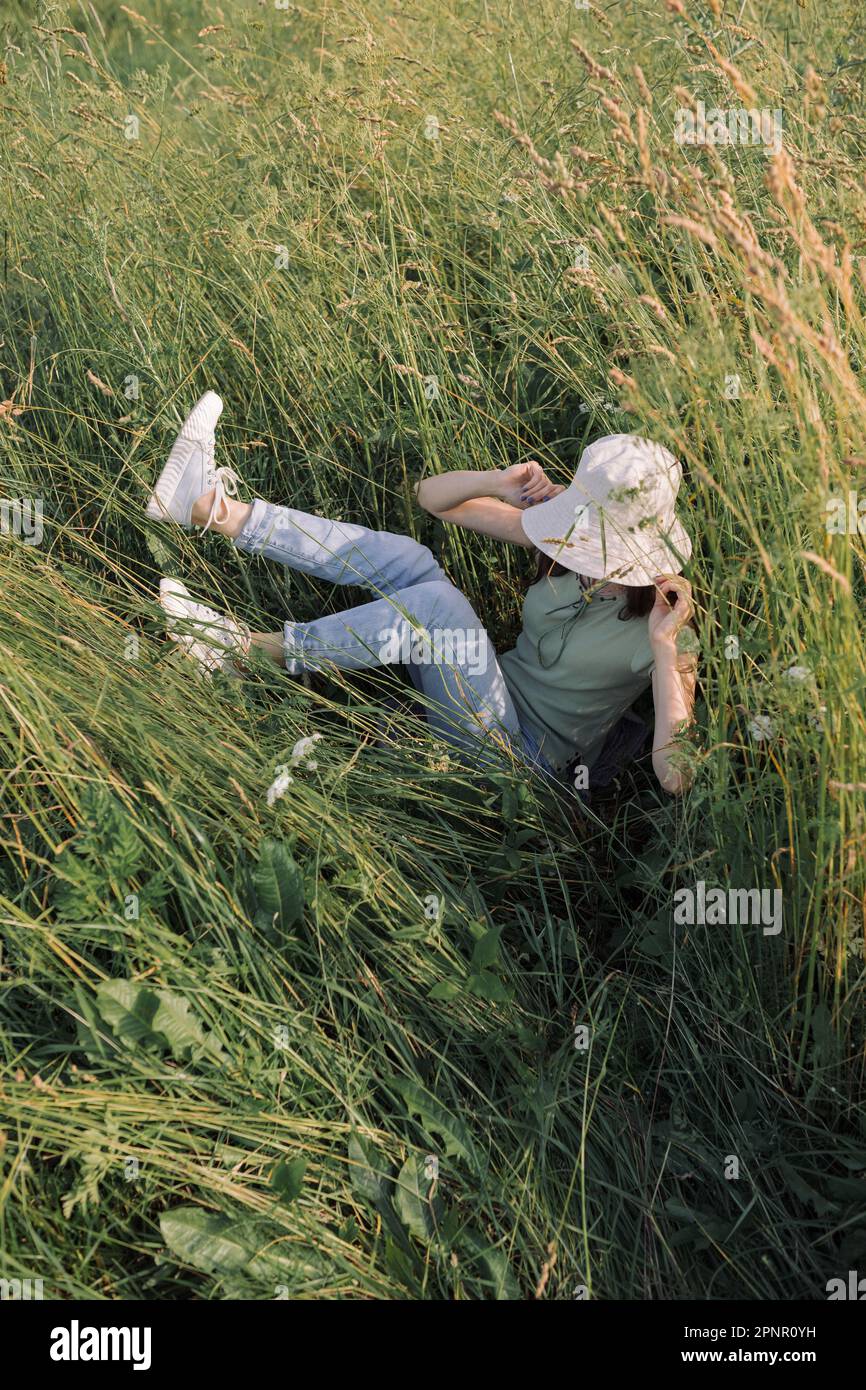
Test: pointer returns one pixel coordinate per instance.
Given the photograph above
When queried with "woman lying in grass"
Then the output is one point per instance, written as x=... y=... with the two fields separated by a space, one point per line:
x=600 y=622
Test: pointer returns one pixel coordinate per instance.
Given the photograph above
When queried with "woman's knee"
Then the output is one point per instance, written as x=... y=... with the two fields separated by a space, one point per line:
x=439 y=596
x=426 y=565
x=448 y=615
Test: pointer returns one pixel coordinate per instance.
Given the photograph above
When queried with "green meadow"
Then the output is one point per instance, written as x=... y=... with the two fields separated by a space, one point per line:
x=406 y=1033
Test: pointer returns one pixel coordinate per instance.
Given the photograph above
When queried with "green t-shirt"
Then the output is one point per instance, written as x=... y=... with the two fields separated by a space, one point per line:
x=576 y=668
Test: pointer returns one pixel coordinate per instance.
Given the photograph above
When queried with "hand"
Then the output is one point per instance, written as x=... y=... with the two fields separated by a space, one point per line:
x=526 y=484
x=666 y=622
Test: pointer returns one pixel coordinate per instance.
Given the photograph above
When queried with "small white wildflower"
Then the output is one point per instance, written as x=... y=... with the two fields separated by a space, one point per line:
x=431 y=1167
x=280 y=784
x=797 y=673
x=761 y=728
x=301 y=752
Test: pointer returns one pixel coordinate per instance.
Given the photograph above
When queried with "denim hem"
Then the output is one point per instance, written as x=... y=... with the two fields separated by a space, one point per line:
x=256 y=529
x=292 y=649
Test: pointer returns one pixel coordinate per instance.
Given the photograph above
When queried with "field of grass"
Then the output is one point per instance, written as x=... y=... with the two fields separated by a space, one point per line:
x=332 y=1047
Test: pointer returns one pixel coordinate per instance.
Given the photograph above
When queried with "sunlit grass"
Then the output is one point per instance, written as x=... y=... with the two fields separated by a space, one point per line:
x=141 y=271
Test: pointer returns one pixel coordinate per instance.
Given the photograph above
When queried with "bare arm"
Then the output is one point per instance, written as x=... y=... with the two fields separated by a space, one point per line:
x=488 y=501
x=673 y=680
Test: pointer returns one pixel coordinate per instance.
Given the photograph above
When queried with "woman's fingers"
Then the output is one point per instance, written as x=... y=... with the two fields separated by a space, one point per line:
x=667 y=584
x=535 y=486
x=539 y=488
x=529 y=478
x=673 y=583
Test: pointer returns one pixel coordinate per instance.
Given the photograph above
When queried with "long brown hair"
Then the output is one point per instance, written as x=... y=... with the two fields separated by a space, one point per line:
x=639 y=598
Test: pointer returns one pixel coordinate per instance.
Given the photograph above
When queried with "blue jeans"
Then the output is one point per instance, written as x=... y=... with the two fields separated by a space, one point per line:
x=419 y=618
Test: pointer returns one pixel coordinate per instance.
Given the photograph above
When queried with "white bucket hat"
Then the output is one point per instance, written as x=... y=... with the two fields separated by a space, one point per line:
x=616 y=519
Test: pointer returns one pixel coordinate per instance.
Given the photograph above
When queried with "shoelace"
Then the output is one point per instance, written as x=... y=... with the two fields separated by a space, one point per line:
x=225 y=485
x=211 y=630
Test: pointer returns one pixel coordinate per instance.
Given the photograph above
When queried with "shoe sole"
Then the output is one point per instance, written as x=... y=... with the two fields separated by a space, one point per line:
x=158 y=507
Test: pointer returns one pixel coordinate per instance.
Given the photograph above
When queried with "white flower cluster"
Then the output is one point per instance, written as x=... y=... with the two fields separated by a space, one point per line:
x=300 y=757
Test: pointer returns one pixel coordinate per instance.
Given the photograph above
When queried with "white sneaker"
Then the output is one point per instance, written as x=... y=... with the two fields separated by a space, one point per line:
x=191 y=472
x=210 y=638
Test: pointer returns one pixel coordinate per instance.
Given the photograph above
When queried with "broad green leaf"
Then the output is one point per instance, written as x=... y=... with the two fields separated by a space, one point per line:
x=251 y=1246
x=287 y=1178
x=279 y=1259
x=402 y=1263
x=93 y=1036
x=412 y=1199
x=505 y=1286
x=495 y=1264
x=445 y=989
x=367 y=1170
x=435 y=1119
x=486 y=950
x=485 y=985
x=154 y=1018
x=278 y=885
x=203 y=1239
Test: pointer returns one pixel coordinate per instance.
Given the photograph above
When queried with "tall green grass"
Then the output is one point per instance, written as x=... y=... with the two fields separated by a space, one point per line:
x=207 y=1092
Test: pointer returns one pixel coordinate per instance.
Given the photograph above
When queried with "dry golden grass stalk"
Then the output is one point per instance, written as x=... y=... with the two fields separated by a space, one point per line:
x=825 y=566
x=658 y=309
x=814 y=95
x=552 y=173
x=593 y=68
x=743 y=89
x=97 y=382
x=695 y=229
x=546 y=1270
x=643 y=85
x=612 y=221
x=622 y=124
x=643 y=147
x=619 y=378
